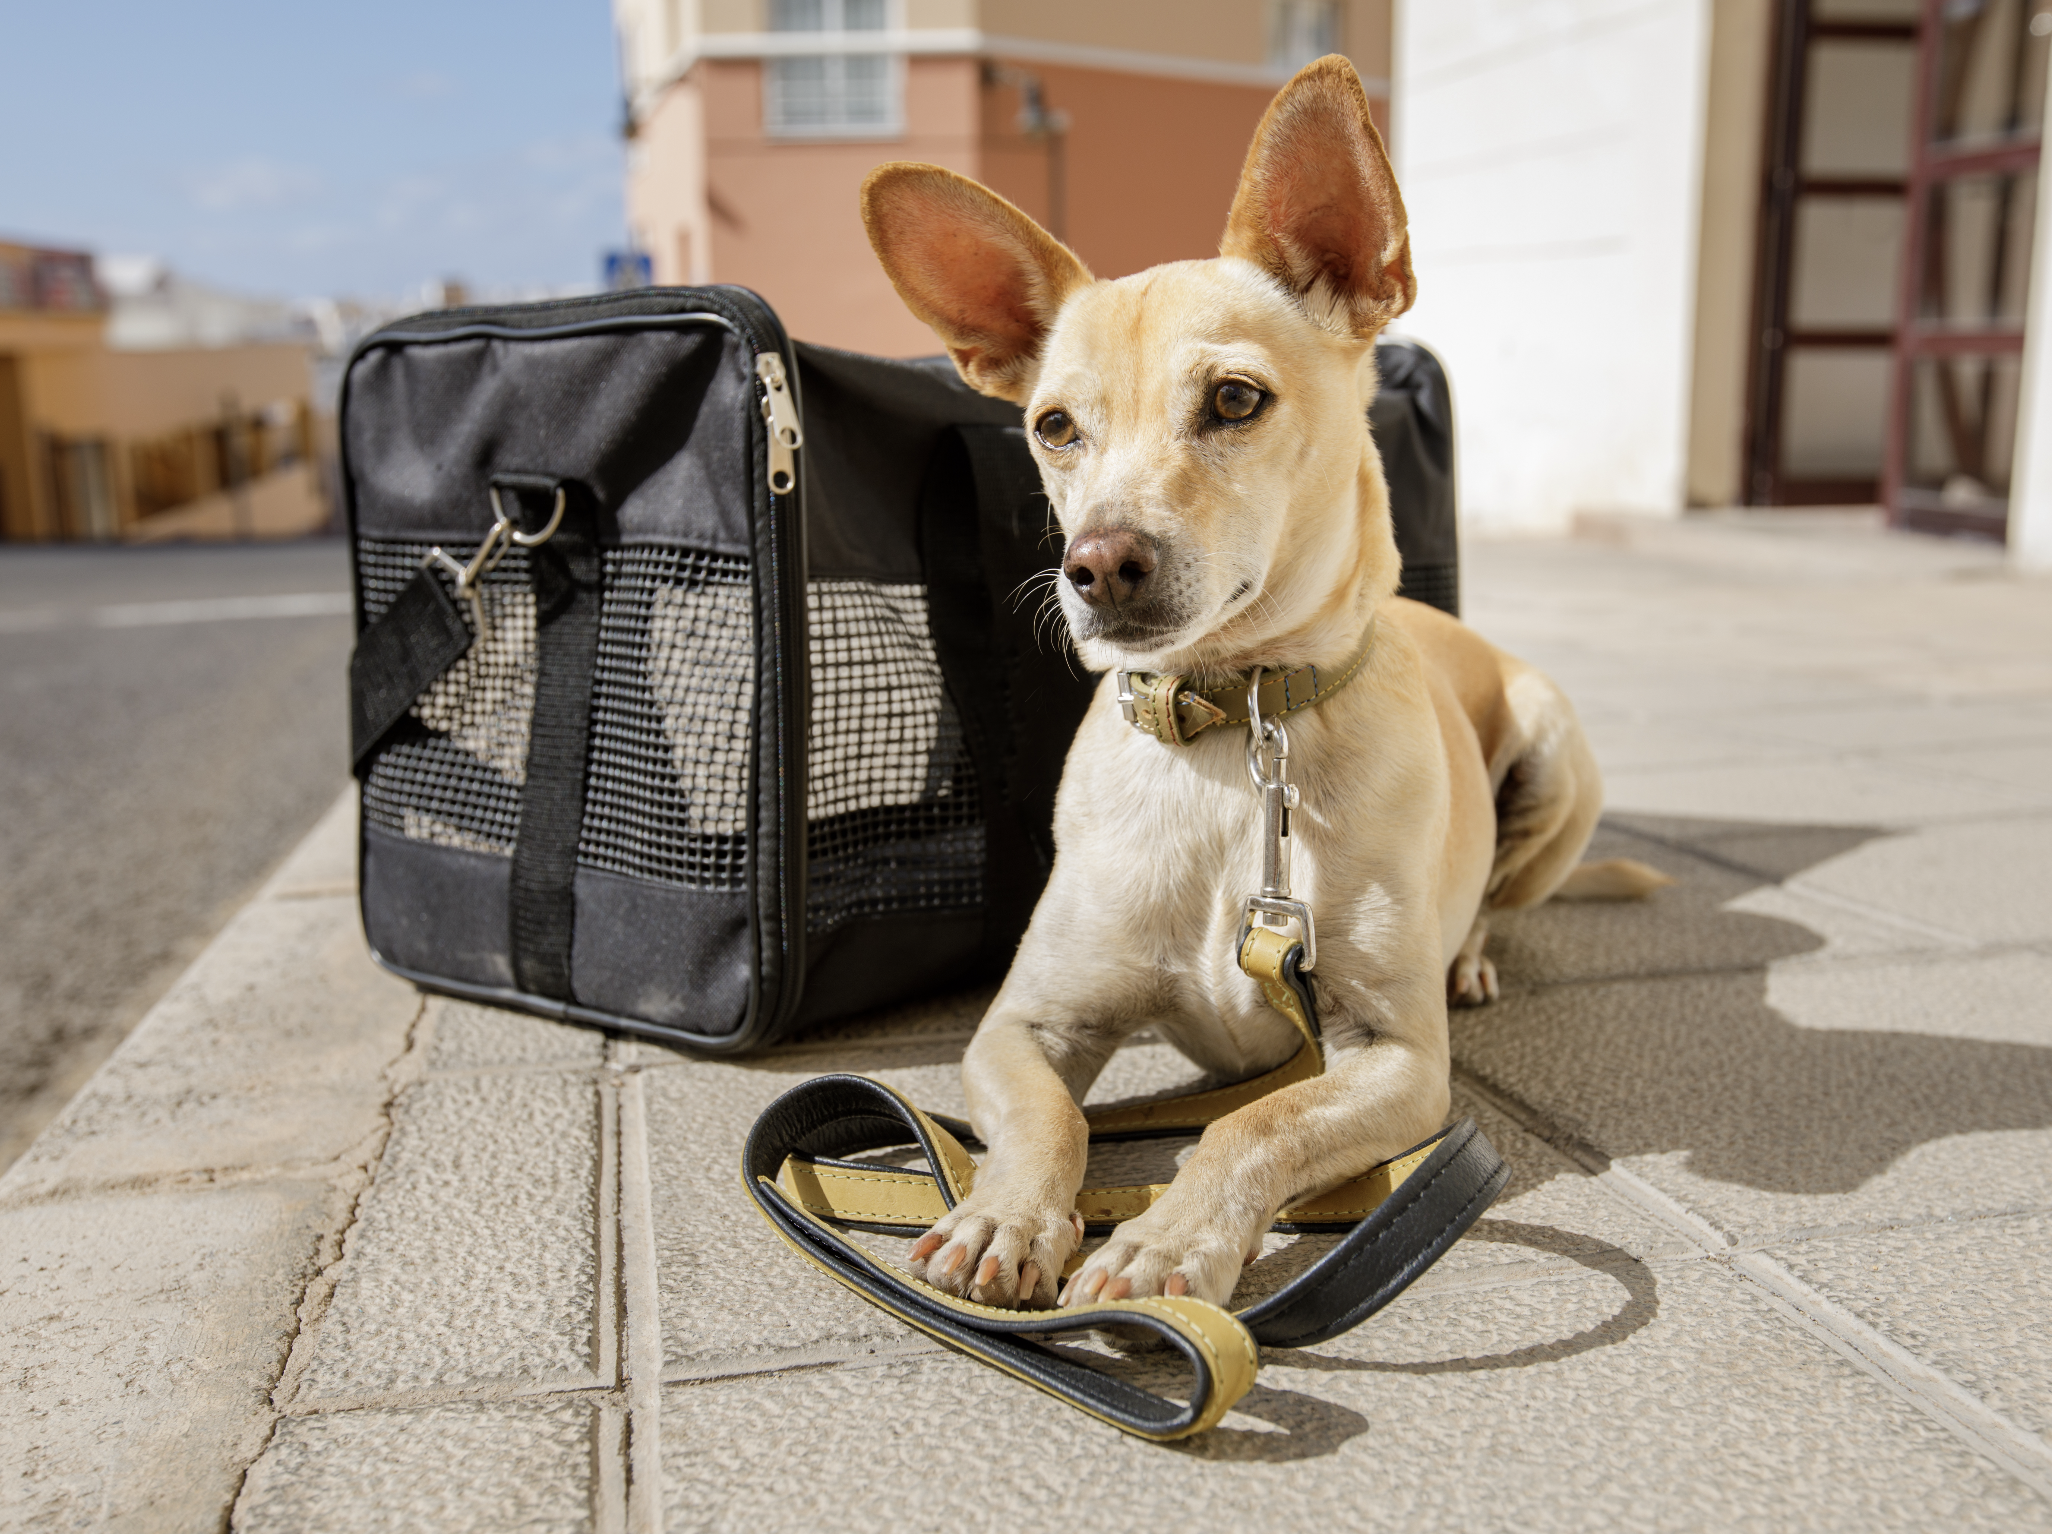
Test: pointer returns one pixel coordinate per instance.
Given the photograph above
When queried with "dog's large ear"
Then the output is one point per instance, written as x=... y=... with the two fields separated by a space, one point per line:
x=1318 y=205
x=985 y=276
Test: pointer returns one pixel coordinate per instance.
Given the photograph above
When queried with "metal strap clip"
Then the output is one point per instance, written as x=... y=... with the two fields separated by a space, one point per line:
x=1268 y=764
x=503 y=536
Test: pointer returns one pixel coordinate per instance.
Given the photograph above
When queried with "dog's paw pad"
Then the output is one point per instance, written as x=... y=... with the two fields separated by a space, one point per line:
x=997 y=1258
x=1136 y=1264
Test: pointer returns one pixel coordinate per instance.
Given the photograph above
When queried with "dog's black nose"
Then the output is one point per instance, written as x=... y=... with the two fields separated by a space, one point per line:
x=1108 y=567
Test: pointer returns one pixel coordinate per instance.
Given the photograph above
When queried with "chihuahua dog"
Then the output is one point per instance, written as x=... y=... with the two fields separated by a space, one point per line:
x=1201 y=429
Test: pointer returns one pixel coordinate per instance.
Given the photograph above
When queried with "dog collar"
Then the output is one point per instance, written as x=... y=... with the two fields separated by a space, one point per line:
x=1162 y=705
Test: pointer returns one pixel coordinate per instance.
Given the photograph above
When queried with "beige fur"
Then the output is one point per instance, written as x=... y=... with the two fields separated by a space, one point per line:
x=1447 y=780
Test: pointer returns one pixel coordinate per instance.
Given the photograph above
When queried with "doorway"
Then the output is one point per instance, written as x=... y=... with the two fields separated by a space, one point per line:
x=1897 y=205
x=1835 y=184
x=1972 y=193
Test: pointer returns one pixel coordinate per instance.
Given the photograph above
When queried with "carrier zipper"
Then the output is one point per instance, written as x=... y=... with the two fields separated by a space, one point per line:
x=781 y=412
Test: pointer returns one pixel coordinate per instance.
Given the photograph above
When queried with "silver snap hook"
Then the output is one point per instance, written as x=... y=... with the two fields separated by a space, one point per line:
x=467 y=577
x=528 y=540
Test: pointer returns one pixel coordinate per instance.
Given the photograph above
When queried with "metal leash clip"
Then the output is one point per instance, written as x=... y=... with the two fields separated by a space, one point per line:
x=503 y=536
x=1268 y=763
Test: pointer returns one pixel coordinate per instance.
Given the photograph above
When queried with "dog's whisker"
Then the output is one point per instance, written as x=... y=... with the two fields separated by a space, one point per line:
x=1019 y=593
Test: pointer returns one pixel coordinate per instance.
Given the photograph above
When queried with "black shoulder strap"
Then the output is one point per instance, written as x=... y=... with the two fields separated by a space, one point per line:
x=567 y=593
x=398 y=657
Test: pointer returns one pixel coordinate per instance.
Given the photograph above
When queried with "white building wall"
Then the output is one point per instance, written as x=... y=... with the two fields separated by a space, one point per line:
x=2030 y=480
x=1550 y=155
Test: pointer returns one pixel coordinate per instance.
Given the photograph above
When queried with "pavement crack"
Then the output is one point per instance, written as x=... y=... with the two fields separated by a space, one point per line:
x=641 y=1292
x=348 y=1188
x=349 y=1178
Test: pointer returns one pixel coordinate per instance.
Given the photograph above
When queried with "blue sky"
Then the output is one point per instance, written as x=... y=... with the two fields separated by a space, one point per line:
x=358 y=148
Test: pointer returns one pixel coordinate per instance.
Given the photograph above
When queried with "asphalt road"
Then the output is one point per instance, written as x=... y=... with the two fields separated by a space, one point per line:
x=172 y=720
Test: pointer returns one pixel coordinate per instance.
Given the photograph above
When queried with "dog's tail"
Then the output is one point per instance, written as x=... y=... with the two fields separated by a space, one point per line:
x=1612 y=879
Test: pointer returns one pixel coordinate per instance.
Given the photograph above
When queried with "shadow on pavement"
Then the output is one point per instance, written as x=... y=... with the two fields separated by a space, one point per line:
x=1641 y=1305
x=1646 y=1029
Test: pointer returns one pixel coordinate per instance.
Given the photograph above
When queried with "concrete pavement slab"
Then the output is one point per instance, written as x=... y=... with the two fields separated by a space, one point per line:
x=325 y=862
x=1769 y=851
x=1847 y=929
x=464 y=1466
x=730 y=1292
x=1621 y=1395
x=1685 y=928
x=1628 y=740
x=1991 y=880
x=1763 y=1125
x=1910 y=725
x=1551 y=1214
x=1929 y=1288
x=462 y=1036
x=2001 y=997
x=1620 y=678
x=1819 y=790
x=142 y=1336
x=2018 y=768
x=475 y=1259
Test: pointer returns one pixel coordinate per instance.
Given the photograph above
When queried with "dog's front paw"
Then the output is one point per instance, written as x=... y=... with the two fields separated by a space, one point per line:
x=1471 y=982
x=1155 y=1256
x=997 y=1253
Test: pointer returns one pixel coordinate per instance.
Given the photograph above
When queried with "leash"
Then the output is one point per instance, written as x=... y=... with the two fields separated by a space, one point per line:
x=1400 y=1216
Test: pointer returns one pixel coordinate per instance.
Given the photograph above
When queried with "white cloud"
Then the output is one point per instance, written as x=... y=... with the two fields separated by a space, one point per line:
x=252 y=182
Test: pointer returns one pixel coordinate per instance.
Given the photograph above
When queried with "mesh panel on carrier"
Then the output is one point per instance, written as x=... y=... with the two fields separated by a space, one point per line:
x=666 y=796
x=894 y=820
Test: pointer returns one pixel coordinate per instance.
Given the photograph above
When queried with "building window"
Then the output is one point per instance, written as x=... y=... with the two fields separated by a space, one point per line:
x=848 y=92
x=1300 y=31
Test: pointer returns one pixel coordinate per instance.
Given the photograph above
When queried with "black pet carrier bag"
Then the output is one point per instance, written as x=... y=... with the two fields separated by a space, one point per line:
x=700 y=687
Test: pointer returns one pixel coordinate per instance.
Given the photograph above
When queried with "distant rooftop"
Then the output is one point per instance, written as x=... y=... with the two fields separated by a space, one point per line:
x=48 y=281
x=154 y=308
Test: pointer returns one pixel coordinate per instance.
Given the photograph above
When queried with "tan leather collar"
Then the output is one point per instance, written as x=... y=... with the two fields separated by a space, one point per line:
x=1161 y=705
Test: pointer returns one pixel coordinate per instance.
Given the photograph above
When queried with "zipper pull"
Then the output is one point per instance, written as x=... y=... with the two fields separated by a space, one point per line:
x=781 y=412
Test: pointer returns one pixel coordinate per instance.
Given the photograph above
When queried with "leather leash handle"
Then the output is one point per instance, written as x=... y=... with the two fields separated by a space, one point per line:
x=832 y=1116
x=1409 y=1231
x=836 y=1114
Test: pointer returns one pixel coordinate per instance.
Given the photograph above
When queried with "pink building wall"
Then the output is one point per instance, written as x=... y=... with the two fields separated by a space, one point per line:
x=1149 y=167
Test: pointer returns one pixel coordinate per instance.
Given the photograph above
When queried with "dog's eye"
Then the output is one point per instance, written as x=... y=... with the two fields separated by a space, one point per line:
x=1055 y=429
x=1235 y=400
